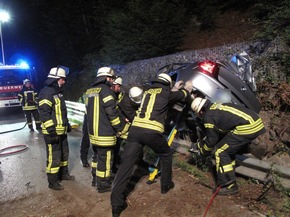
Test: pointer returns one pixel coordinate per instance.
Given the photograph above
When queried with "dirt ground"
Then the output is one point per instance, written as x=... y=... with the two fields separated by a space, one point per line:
x=189 y=198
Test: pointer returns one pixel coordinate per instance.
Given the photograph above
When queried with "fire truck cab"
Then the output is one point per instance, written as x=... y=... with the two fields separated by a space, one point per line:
x=11 y=82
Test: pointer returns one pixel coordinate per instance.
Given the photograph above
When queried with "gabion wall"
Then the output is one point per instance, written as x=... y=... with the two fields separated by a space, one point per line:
x=139 y=72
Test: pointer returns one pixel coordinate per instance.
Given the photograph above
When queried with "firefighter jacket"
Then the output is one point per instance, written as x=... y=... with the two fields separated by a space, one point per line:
x=102 y=115
x=154 y=106
x=28 y=98
x=127 y=107
x=52 y=109
x=228 y=117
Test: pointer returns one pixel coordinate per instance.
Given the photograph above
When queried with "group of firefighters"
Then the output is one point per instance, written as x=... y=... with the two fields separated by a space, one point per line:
x=137 y=117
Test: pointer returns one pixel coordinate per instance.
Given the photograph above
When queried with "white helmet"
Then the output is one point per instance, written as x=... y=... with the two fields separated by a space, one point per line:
x=106 y=71
x=135 y=94
x=26 y=81
x=197 y=104
x=58 y=72
x=118 y=80
x=165 y=77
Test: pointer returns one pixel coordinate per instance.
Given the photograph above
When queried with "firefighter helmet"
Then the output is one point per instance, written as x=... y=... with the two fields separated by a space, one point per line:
x=135 y=94
x=26 y=81
x=118 y=80
x=58 y=72
x=197 y=104
x=165 y=77
x=106 y=71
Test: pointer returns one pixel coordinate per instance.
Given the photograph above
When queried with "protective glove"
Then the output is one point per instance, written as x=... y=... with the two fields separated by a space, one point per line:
x=125 y=129
x=188 y=86
x=178 y=85
x=204 y=150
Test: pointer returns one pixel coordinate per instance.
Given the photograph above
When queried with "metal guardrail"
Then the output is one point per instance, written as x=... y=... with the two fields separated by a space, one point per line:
x=76 y=112
x=246 y=166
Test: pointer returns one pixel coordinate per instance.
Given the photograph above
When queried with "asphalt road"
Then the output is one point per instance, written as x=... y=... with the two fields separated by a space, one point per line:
x=23 y=173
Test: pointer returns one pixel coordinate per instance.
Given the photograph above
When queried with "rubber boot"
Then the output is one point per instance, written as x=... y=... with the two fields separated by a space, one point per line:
x=103 y=185
x=53 y=182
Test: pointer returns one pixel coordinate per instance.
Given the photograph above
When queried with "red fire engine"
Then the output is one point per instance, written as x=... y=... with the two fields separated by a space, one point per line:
x=11 y=82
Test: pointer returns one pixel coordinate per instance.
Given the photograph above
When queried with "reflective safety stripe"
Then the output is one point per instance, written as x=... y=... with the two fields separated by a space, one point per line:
x=94 y=164
x=45 y=101
x=249 y=128
x=28 y=108
x=148 y=124
x=108 y=98
x=50 y=169
x=207 y=148
x=63 y=163
x=48 y=123
x=107 y=172
x=209 y=126
x=116 y=121
x=103 y=140
x=226 y=168
x=217 y=157
x=58 y=113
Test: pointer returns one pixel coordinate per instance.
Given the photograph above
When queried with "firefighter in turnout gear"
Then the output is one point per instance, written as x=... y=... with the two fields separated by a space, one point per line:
x=229 y=129
x=28 y=97
x=55 y=125
x=147 y=129
x=103 y=125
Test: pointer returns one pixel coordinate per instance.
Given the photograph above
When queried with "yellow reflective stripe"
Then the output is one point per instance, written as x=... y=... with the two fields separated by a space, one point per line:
x=148 y=124
x=96 y=115
x=63 y=163
x=31 y=107
x=50 y=169
x=185 y=93
x=208 y=125
x=107 y=172
x=207 y=148
x=226 y=168
x=234 y=111
x=108 y=98
x=58 y=114
x=45 y=101
x=48 y=123
x=94 y=164
x=108 y=163
x=249 y=128
x=116 y=121
x=217 y=153
x=103 y=140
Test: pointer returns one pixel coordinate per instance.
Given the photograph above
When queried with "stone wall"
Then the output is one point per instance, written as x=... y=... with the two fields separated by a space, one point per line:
x=139 y=72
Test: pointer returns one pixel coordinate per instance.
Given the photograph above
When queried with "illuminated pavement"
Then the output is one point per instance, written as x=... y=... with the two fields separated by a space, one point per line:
x=23 y=173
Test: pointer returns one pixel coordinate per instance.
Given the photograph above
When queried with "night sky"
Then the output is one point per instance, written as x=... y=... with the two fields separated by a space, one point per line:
x=17 y=39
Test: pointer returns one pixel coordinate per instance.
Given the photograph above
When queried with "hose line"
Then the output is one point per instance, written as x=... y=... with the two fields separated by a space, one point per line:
x=9 y=131
x=212 y=198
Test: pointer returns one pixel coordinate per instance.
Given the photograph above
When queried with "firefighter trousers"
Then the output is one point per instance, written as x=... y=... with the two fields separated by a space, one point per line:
x=85 y=142
x=57 y=158
x=35 y=114
x=225 y=151
x=102 y=162
x=137 y=139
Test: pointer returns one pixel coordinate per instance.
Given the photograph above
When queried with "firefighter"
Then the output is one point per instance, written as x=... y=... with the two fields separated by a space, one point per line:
x=229 y=129
x=103 y=125
x=127 y=107
x=85 y=143
x=55 y=125
x=28 y=97
x=147 y=129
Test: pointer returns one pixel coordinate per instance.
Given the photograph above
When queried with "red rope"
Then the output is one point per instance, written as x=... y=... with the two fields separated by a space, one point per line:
x=212 y=198
x=22 y=148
